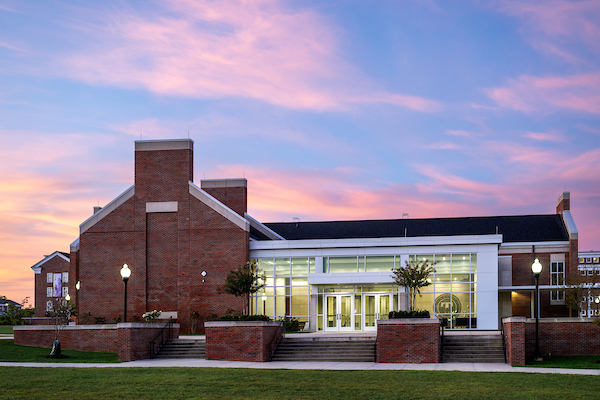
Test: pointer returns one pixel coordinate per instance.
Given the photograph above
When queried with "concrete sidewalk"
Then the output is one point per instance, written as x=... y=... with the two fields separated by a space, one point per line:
x=195 y=363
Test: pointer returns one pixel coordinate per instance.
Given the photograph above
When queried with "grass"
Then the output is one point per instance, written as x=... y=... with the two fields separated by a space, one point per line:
x=6 y=329
x=576 y=362
x=203 y=383
x=12 y=352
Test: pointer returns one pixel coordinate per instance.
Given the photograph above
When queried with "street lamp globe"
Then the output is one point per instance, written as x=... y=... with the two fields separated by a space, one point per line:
x=125 y=272
x=68 y=297
x=536 y=267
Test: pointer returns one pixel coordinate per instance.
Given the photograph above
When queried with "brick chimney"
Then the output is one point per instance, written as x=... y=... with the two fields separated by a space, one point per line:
x=163 y=168
x=563 y=203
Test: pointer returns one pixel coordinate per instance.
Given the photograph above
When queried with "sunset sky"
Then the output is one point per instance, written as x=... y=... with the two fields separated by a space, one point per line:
x=331 y=109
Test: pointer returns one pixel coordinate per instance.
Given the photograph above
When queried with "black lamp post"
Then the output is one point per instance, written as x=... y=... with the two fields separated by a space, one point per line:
x=536 y=267
x=125 y=274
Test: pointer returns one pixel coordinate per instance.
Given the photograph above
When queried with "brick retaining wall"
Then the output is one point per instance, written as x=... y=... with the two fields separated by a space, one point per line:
x=557 y=336
x=129 y=340
x=241 y=340
x=408 y=340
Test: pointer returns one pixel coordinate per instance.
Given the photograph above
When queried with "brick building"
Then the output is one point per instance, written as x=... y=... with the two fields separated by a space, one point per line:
x=180 y=241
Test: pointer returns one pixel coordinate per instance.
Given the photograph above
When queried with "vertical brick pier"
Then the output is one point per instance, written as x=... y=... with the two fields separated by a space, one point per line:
x=241 y=340
x=408 y=340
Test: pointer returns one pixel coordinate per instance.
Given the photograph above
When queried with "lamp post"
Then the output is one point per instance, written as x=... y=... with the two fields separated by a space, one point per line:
x=125 y=274
x=536 y=267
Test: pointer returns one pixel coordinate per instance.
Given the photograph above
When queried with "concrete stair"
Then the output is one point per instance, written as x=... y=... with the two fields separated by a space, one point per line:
x=357 y=349
x=473 y=349
x=183 y=348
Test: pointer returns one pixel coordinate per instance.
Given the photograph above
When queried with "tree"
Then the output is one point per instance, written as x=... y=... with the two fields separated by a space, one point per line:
x=60 y=315
x=414 y=275
x=579 y=287
x=244 y=281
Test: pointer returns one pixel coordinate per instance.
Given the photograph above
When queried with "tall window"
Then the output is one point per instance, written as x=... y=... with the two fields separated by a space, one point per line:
x=557 y=277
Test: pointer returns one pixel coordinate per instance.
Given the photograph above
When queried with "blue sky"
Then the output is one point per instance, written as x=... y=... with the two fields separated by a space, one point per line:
x=330 y=109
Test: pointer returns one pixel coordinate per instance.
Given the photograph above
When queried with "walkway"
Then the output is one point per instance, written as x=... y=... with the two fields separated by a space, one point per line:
x=193 y=363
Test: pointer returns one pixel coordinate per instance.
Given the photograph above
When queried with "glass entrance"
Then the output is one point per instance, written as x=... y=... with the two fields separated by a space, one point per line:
x=377 y=306
x=339 y=312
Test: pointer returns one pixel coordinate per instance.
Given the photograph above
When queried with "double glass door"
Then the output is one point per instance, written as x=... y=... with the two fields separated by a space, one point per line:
x=348 y=312
x=339 y=312
x=377 y=306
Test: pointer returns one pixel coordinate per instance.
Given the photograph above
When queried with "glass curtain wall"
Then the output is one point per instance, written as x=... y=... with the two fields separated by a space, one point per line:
x=453 y=290
x=286 y=292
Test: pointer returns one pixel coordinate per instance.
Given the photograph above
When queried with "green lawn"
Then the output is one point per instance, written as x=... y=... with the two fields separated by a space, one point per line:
x=577 y=362
x=215 y=383
x=6 y=329
x=12 y=352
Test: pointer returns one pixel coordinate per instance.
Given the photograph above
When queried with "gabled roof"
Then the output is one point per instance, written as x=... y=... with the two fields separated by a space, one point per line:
x=37 y=268
x=522 y=228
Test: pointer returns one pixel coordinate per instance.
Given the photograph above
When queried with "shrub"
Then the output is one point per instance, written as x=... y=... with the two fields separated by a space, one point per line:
x=409 y=314
x=291 y=324
x=244 y=317
x=151 y=316
x=99 y=320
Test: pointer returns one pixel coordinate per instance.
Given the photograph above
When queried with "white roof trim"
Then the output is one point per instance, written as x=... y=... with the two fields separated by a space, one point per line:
x=75 y=246
x=263 y=229
x=37 y=268
x=107 y=209
x=570 y=223
x=219 y=207
x=376 y=242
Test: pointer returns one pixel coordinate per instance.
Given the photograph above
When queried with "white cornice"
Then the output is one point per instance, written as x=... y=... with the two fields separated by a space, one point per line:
x=107 y=209
x=219 y=207
x=37 y=268
x=263 y=229
x=375 y=242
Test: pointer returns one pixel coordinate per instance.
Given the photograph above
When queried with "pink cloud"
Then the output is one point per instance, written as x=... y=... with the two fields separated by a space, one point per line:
x=205 y=49
x=545 y=136
x=531 y=94
x=552 y=26
x=463 y=133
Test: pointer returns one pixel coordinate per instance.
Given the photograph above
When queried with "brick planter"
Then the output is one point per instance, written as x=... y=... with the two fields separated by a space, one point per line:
x=241 y=340
x=129 y=340
x=408 y=340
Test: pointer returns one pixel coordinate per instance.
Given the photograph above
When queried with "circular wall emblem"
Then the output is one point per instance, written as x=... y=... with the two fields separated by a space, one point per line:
x=444 y=304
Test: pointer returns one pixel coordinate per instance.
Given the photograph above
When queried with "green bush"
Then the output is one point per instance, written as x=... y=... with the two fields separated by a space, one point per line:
x=409 y=314
x=243 y=317
x=291 y=324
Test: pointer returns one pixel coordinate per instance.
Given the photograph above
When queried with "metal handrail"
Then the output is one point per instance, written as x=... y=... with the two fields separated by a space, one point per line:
x=273 y=348
x=503 y=342
x=442 y=324
x=169 y=325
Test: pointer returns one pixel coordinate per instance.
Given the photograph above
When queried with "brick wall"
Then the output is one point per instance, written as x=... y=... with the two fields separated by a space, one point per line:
x=54 y=265
x=514 y=334
x=408 y=340
x=134 y=339
x=129 y=340
x=557 y=336
x=166 y=251
x=101 y=338
x=241 y=341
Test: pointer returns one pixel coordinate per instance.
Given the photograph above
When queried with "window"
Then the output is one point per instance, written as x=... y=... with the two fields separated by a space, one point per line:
x=49 y=305
x=557 y=278
x=49 y=278
x=65 y=277
x=65 y=291
x=49 y=292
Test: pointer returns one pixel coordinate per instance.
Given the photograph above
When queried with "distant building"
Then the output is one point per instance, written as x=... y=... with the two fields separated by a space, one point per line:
x=181 y=239
x=5 y=303
x=589 y=266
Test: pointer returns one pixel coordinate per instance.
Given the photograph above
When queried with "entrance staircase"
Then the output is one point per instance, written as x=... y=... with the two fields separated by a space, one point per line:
x=475 y=348
x=183 y=348
x=349 y=349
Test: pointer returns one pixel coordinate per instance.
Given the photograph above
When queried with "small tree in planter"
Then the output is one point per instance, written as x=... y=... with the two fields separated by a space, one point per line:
x=61 y=315
x=414 y=275
x=244 y=281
